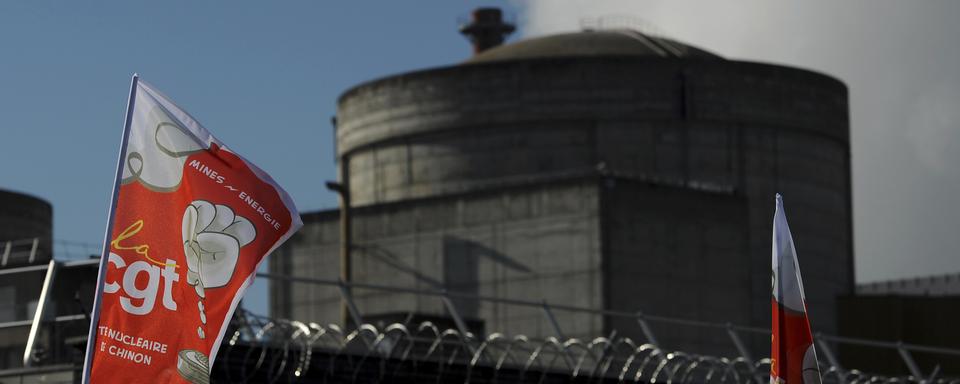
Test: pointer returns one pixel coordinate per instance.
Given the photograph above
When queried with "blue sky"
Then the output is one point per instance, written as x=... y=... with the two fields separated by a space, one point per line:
x=264 y=78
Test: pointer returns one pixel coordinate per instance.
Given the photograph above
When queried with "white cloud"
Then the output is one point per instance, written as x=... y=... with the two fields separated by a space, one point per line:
x=933 y=126
x=899 y=60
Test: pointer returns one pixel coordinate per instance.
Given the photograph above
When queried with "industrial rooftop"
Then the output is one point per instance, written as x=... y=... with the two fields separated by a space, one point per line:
x=593 y=43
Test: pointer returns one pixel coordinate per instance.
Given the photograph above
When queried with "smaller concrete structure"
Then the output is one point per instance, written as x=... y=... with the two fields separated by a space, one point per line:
x=26 y=229
x=924 y=320
x=927 y=285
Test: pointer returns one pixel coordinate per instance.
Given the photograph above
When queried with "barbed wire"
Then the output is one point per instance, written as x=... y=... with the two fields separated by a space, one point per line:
x=554 y=347
x=274 y=350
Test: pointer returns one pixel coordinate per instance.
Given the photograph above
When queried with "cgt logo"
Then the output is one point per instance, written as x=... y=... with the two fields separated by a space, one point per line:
x=148 y=293
x=154 y=275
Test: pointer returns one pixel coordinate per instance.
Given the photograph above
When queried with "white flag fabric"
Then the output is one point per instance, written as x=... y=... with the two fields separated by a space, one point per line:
x=793 y=359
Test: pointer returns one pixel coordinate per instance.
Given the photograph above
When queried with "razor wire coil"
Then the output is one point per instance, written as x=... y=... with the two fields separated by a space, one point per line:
x=277 y=350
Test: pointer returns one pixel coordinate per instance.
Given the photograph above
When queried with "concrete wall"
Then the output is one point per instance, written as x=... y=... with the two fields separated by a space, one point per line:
x=459 y=128
x=679 y=253
x=704 y=128
x=534 y=243
x=462 y=161
x=923 y=320
x=752 y=163
x=311 y=252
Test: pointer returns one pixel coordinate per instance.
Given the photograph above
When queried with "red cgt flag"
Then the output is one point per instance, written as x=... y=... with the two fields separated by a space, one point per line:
x=191 y=221
x=793 y=359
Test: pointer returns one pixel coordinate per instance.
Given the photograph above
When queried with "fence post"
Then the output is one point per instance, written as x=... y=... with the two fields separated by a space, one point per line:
x=911 y=365
x=737 y=342
x=351 y=306
x=645 y=328
x=604 y=352
x=461 y=326
x=744 y=352
x=933 y=375
x=828 y=353
x=556 y=328
x=553 y=321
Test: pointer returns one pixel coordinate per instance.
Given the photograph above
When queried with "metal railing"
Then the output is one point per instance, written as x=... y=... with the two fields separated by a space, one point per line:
x=261 y=349
x=75 y=250
x=31 y=250
x=66 y=250
x=734 y=331
x=19 y=252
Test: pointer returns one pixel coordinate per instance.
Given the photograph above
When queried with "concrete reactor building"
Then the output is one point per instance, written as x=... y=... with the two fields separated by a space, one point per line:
x=608 y=168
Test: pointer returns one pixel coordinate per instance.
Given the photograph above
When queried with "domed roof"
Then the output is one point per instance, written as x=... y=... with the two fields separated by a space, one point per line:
x=617 y=42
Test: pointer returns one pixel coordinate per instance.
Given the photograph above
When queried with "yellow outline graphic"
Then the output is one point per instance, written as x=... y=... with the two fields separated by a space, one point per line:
x=142 y=249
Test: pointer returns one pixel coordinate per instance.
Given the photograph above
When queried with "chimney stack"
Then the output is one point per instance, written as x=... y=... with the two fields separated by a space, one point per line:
x=486 y=29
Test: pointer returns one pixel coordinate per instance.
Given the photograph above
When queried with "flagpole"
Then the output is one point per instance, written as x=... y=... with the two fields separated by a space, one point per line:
x=95 y=313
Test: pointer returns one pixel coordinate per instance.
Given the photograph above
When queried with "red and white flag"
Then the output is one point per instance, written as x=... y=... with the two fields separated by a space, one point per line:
x=191 y=220
x=793 y=359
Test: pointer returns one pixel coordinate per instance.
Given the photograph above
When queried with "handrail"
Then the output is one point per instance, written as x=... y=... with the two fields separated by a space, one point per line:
x=652 y=318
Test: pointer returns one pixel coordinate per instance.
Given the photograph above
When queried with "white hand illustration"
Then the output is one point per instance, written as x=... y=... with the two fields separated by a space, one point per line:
x=212 y=238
